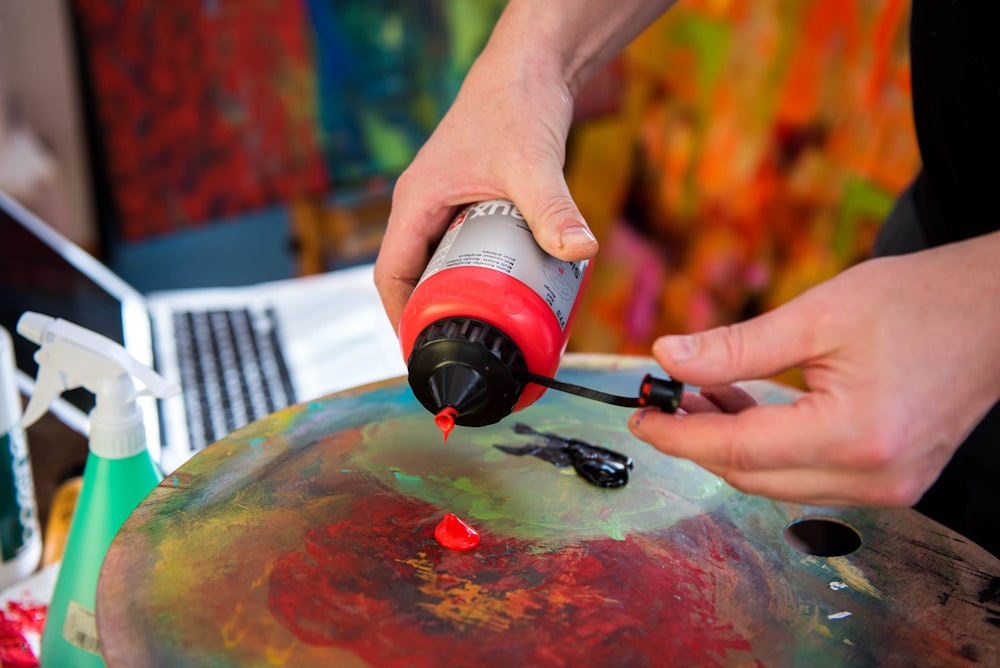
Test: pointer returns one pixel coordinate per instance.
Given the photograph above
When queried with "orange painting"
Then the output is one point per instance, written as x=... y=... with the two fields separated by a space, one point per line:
x=751 y=151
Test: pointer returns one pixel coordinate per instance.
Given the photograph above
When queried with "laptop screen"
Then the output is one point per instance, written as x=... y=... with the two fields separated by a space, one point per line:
x=42 y=271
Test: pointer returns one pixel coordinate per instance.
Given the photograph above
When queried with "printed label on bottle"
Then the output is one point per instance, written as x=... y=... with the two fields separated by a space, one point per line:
x=80 y=629
x=18 y=520
x=494 y=235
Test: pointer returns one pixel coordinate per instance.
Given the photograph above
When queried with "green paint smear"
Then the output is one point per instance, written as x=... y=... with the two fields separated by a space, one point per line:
x=530 y=499
x=384 y=436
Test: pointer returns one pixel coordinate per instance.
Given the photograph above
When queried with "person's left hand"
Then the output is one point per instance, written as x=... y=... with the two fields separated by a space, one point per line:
x=901 y=357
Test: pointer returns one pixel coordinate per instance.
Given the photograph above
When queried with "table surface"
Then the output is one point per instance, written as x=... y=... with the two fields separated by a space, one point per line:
x=307 y=539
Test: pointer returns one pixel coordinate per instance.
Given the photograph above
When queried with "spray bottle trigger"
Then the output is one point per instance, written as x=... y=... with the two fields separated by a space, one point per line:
x=49 y=385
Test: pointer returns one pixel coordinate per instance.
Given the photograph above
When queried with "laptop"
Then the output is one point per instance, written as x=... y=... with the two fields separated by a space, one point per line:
x=238 y=353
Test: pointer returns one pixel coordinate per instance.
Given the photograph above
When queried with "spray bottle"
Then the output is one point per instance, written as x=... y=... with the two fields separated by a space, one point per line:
x=119 y=472
x=487 y=324
x=20 y=535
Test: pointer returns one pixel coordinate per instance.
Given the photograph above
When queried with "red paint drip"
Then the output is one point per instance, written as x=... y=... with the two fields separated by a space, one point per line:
x=445 y=420
x=455 y=534
x=15 y=624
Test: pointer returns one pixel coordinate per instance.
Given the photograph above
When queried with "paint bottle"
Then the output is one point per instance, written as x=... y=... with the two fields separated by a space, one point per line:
x=20 y=535
x=491 y=309
x=119 y=472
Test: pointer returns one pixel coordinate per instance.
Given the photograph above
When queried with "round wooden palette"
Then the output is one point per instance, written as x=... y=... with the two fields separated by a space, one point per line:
x=307 y=538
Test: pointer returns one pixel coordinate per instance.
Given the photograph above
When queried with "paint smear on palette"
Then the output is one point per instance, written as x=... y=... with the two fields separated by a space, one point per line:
x=469 y=473
x=597 y=465
x=17 y=624
x=383 y=590
x=853 y=576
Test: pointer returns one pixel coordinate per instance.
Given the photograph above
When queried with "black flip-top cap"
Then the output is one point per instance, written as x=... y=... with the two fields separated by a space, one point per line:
x=664 y=393
x=469 y=365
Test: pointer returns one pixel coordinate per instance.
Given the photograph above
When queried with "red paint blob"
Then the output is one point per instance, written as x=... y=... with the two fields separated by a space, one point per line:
x=445 y=420
x=455 y=534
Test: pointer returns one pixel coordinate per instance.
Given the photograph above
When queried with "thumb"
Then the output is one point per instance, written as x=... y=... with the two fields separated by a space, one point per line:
x=757 y=348
x=555 y=221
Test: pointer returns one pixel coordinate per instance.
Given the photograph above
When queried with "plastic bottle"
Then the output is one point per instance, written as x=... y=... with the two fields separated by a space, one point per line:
x=490 y=308
x=20 y=535
x=119 y=472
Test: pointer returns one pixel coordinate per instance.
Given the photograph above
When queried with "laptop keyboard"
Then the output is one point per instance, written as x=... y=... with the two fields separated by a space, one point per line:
x=231 y=369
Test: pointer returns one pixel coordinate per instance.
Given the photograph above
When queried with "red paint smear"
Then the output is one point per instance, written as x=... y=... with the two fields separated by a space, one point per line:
x=445 y=421
x=15 y=623
x=376 y=584
x=454 y=534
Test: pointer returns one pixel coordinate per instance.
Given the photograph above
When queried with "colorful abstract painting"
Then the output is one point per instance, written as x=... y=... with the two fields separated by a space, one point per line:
x=737 y=153
x=756 y=148
x=308 y=539
x=209 y=109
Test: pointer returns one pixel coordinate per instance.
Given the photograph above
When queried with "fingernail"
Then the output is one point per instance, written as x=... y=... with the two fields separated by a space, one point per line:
x=576 y=236
x=677 y=348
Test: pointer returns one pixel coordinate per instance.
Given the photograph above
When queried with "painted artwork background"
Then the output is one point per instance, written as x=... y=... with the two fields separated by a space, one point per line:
x=754 y=150
x=208 y=109
x=737 y=153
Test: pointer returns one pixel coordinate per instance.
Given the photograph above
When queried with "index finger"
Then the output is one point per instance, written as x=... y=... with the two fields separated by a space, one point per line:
x=410 y=239
x=763 y=438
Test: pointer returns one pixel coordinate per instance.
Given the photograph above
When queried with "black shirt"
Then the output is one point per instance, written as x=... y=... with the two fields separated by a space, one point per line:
x=955 y=69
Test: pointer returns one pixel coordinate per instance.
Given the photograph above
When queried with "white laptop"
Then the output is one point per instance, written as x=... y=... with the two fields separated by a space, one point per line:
x=238 y=353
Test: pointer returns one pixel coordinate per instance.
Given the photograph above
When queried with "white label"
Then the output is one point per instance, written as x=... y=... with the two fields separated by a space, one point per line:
x=494 y=235
x=80 y=629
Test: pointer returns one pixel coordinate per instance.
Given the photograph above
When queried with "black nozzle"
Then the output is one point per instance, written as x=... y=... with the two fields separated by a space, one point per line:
x=470 y=366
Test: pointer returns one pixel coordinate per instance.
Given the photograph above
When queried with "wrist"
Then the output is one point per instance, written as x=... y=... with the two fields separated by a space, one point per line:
x=569 y=42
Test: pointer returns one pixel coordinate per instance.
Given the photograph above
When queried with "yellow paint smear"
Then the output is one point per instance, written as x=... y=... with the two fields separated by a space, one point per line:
x=464 y=603
x=854 y=577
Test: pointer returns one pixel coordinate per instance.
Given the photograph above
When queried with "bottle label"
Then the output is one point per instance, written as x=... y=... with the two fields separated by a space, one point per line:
x=18 y=518
x=80 y=629
x=494 y=235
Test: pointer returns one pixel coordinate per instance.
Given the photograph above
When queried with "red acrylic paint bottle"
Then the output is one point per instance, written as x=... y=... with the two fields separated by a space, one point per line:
x=491 y=307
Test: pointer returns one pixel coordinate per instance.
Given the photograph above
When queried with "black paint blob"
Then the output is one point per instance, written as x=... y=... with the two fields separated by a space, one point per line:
x=598 y=466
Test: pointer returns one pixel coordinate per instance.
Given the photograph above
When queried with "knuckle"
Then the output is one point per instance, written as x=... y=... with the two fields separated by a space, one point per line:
x=894 y=492
x=737 y=458
x=555 y=208
x=881 y=449
x=382 y=279
x=734 y=340
x=403 y=186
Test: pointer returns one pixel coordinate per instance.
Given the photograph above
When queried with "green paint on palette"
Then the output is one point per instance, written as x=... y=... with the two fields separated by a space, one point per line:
x=530 y=498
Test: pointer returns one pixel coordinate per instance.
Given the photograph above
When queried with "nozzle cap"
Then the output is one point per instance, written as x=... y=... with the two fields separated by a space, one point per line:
x=663 y=393
x=467 y=365
x=32 y=325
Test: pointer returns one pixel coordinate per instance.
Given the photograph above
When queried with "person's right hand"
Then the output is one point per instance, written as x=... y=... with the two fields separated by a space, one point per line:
x=504 y=137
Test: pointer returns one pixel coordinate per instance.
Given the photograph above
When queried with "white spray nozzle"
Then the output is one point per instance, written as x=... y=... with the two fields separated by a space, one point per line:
x=71 y=356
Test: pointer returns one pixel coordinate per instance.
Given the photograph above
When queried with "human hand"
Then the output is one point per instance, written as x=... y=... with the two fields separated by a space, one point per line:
x=901 y=357
x=504 y=136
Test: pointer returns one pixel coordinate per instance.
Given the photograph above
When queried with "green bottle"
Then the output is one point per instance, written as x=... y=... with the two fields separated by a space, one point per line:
x=118 y=475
